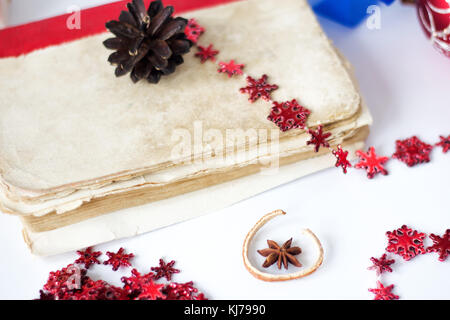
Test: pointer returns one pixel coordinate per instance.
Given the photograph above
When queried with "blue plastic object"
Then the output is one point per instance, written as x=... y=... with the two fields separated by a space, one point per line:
x=347 y=12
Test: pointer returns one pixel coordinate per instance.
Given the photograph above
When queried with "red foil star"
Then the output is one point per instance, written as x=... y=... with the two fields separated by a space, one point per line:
x=165 y=270
x=193 y=30
x=289 y=115
x=206 y=54
x=441 y=245
x=406 y=242
x=88 y=258
x=445 y=143
x=384 y=293
x=341 y=157
x=230 y=68
x=258 y=89
x=371 y=162
x=119 y=259
x=151 y=291
x=412 y=151
x=318 y=138
x=382 y=264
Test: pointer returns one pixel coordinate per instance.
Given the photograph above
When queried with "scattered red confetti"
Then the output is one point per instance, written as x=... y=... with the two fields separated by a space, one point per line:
x=133 y=285
x=96 y=290
x=62 y=281
x=201 y=296
x=206 y=54
x=151 y=291
x=406 y=242
x=318 y=138
x=412 y=151
x=382 y=264
x=88 y=258
x=445 y=143
x=371 y=162
x=258 y=89
x=341 y=157
x=441 y=245
x=383 y=293
x=180 y=291
x=193 y=30
x=165 y=270
x=289 y=115
x=230 y=68
x=118 y=259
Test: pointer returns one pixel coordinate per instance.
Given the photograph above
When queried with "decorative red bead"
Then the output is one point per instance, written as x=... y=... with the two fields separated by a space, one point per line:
x=165 y=270
x=341 y=157
x=289 y=115
x=405 y=242
x=371 y=162
x=381 y=265
x=88 y=258
x=230 y=68
x=384 y=293
x=206 y=54
x=119 y=259
x=193 y=30
x=318 y=138
x=412 y=151
x=258 y=89
x=441 y=245
x=151 y=291
x=445 y=143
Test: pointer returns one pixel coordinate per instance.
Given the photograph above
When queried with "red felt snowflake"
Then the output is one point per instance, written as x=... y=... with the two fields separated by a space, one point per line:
x=371 y=162
x=65 y=280
x=441 y=245
x=412 y=151
x=383 y=293
x=405 y=242
x=180 y=291
x=193 y=30
x=165 y=270
x=151 y=291
x=88 y=258
x=289 y=115
x=118 y=259
x=206 y=54
x=230 y=68
x=341 y=157
x=258 y=89
x=381 y=265
x=318 y=138
x=445 y=143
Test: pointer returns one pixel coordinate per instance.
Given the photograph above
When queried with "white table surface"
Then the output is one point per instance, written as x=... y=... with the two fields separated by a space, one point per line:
x=406 y=84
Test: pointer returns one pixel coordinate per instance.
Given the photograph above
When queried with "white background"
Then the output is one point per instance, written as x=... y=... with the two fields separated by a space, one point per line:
x=406 y=84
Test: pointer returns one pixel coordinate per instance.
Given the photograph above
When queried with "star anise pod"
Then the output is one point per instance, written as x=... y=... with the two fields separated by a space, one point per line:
x=281 y=255
x=149 y=42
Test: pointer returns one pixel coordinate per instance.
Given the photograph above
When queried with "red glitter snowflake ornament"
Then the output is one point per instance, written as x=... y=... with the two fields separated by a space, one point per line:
x=258 y=89
x=441 y=245
x=119 y=259
x=289 y=115
x=230 y=68
x=371 y=162
x=318 y=138
x=384 y=293
x=151 y=291
x=341 y=157
x=382 y=264
x=412 y=151
x=206 y=54
x=165 y=270
x=193 y=30
x=180 y=291
x=444 y=143
x=406 y=242
x=88 y=258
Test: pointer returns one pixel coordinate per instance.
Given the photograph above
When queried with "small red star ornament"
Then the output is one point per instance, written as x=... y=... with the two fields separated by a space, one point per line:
x=406 y=242
x=230 y=68
x=441 y=245
x=382 y=264
x=289 y=115
x=258 y=89
x=88 y=257
x=165 y=270
x=341 y=158
x=118 y=259
x=206 y=54
x=444 y=143
x=384 y=293
x=318 y=138
x=371 y=162
x=412 y=151
x=193 y=30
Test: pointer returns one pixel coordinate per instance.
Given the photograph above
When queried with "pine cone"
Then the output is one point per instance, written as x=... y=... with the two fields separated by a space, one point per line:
x=149 y=43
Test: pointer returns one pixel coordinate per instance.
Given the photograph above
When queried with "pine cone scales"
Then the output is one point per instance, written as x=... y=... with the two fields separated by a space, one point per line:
x=148 y=43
